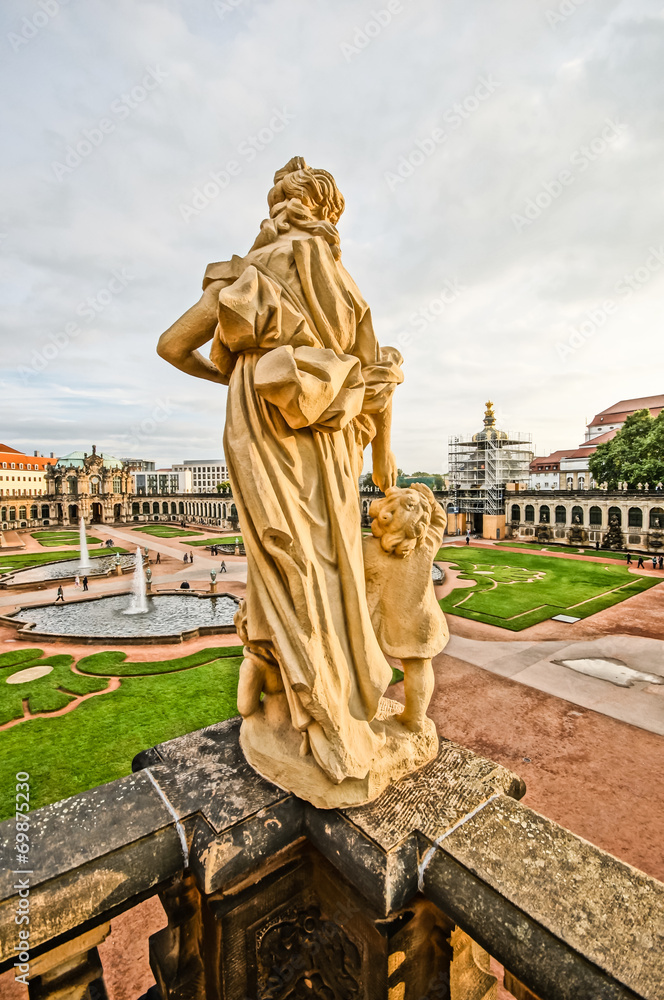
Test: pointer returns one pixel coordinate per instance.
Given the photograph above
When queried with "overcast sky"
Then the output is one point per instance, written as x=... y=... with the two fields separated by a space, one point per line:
x=502 y=169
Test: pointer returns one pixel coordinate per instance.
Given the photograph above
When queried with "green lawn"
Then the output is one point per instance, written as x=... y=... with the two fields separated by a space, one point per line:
x=62 y=538
x=587 y=550
x=164 y=531
x=23 y=560
x=516 y=590
x=226 y=540
x=97 y=741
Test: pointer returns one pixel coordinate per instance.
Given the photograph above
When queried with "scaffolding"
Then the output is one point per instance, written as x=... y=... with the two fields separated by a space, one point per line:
x=481 y=465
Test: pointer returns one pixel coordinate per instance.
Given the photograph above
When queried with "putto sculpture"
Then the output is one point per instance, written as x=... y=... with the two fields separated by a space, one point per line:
x=309 y=388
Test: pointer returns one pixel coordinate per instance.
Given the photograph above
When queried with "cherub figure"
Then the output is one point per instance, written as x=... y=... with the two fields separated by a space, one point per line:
x=406 y=532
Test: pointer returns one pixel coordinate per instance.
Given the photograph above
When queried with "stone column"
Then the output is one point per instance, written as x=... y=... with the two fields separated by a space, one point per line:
x=71 y=971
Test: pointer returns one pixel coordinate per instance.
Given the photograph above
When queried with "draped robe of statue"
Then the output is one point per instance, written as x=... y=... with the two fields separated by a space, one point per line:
x=307 y=377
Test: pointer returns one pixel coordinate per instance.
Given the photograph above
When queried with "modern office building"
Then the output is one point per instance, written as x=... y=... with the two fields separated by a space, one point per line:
x=206 y=474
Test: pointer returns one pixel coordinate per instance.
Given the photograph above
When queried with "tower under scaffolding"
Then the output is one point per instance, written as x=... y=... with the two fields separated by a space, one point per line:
x=480 y=466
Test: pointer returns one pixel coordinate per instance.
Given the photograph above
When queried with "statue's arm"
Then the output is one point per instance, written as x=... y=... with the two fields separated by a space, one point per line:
x=384 y=464
x=179 y=344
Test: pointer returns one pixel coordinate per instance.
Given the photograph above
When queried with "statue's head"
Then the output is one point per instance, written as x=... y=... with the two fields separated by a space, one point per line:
x=305 y=198
x=400 y=519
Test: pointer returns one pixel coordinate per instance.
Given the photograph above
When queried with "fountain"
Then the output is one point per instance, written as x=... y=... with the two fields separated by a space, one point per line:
x=84 y=562
x=139 y=601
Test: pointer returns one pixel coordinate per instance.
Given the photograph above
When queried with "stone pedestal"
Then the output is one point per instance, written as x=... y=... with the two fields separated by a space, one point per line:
x=282 y=900
x=213 y=587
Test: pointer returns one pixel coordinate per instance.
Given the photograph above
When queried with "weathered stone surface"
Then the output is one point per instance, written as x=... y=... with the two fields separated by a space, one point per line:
x=552 y=907
x=118 y=840
x=378 y=841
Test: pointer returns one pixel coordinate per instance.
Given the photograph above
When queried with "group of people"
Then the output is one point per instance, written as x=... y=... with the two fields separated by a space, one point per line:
x=214 y=550
x=78 y=582
x=657 y=562
x=188 y=557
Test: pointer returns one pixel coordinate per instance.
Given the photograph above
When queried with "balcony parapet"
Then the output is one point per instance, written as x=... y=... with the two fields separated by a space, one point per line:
x=446 y=854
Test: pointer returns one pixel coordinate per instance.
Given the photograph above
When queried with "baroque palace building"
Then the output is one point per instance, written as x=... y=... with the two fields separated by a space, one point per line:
x=102 y=490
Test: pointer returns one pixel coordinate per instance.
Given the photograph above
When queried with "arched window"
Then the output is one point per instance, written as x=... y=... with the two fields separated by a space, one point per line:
x=3 y=514
x=117 y=484
x=545 y=514
x=94 y=486
x=174 y=508
x=164 y=508
x=155 y=508
x=45 y=512
x=34 y=512
x=72 y=485
x=595 y=516
x=22 y=513
x=136 y=508
x=615 y=512
x=58 y=484
x=12 y=513
x=530 y=513
x=223 y=512
x=516 y=512
x=561 y=514
x=577 y=512
x=146 y=508
x=635 y=517
x=657 y=517
x=180 y=508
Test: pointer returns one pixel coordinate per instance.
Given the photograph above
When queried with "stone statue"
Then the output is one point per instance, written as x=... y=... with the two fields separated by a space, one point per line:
x=613 y=539
x=309 y=388
x=406 y=533
x=577 y=535
x=213 y=575
x=148 y=575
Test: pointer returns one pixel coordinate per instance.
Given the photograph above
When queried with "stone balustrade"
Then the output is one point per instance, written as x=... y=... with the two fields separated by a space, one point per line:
x=267 y=897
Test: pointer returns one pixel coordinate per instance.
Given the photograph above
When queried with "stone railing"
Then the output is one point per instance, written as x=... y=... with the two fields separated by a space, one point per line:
x=268 y=898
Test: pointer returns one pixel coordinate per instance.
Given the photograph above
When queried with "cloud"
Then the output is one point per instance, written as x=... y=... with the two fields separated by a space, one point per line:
x=222 y=73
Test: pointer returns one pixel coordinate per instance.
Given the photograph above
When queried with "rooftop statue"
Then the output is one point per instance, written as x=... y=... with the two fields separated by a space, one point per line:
x=309 y=388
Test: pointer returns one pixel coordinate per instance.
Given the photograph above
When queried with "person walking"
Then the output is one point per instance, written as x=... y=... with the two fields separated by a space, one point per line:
x=222 y=568
x=158 y=559
x=629 y=558
x=639 y=564
x=85 y=583
x=468 y=536
x=654 y=562
x=61 y=596
x=77 y=581
x=661 y=562
x=185 y=558
x=191 y=558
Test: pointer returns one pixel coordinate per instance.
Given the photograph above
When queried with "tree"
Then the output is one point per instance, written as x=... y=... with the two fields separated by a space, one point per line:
x=223 y=486
x=635 y=455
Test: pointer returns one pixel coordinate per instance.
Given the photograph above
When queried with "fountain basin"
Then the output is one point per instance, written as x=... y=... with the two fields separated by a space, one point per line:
x=67 y=569
x=174 y=617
